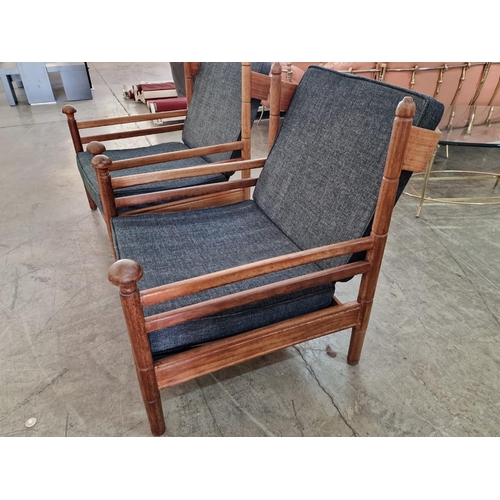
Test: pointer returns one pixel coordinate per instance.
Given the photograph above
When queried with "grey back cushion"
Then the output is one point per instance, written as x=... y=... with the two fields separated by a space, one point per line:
x=214 y=114
x=321 y=180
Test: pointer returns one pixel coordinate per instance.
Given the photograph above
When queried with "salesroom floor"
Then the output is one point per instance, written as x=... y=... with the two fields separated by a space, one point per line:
x=430 y=364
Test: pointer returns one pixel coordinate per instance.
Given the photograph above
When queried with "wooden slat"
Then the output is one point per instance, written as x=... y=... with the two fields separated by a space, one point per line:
x=180 y=173
x=247 y=271
x=223 y=353
x=120 y=120
x=214 y=306
x=421 y=146
x=175 y=155
x=172 y=194
x=125 y=134
x=192 y=203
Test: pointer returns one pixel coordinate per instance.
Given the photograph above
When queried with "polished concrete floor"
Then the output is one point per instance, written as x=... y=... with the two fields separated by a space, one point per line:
x=431 y=360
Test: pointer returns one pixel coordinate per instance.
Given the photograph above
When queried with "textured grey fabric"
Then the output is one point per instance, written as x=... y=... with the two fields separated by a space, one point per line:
x=322 y=178
x=177 y=246
x=214 y=117
x=90 y=180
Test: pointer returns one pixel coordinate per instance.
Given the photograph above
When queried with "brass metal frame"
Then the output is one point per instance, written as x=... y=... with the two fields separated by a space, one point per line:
x=460 y=175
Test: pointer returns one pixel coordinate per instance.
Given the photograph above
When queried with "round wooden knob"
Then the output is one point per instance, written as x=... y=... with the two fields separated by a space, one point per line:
x=95 y=148
x=100 y=162
x=125 y=272
x=69 y=110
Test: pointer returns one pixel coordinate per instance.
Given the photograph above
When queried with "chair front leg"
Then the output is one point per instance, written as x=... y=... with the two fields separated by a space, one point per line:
x=125 y=274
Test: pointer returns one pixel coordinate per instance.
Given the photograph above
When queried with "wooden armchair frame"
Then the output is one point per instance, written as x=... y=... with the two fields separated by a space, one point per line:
x=410 y=149
x=255 y=86
x=259 y=89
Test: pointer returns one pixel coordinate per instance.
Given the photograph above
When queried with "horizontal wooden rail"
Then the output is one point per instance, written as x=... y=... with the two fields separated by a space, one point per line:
x=179 y=193
x=120 y=120
x=125 y=134
x=181 y=173
x=247 y=271
x=175 y=155
x=214 y=306
x=199 y=361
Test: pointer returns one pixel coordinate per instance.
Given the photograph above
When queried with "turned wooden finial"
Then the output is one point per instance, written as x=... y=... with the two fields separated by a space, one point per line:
x=406 y=108
x=69 y=111
x=124 y=273
x=100 y=162
x=276 y=68
x=95 y=148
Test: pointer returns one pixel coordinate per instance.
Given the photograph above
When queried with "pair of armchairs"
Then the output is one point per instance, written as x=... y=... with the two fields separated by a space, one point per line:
x=207 y=288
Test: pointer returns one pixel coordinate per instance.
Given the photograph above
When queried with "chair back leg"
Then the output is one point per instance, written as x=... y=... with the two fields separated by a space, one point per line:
x=383 y=213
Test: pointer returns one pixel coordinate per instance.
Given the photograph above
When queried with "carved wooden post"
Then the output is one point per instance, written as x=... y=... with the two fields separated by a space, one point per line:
x=246 y=119
x=70 y=111
x=188 y=75
x=399 y=138
x=275 y=101
x=94 y=148
x=125 y=274
x=101 y=164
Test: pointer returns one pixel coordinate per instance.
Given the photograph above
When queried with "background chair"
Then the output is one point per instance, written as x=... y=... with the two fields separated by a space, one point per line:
x=213 y=118
x=205 y=289
x=150 y=197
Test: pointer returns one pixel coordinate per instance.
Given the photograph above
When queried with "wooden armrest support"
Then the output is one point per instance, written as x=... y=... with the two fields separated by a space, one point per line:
x=214 y=306
x=181 y=173
x=175 y=155
x=247 y=271
x=421 y=146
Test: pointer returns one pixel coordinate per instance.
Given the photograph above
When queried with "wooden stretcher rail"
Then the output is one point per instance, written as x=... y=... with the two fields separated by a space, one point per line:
x=234 y=350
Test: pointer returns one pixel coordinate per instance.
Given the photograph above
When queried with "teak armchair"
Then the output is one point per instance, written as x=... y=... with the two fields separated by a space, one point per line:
x=202 y=290
x=211 y=132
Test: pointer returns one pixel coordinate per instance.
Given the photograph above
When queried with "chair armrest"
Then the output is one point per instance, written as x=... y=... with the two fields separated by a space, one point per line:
x=126 y=267
x=227 y=276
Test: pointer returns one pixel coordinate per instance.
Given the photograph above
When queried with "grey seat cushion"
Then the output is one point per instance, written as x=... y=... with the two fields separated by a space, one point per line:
x=322 y=177
x=89 y=178
x=214 y=117
x=186 y=244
